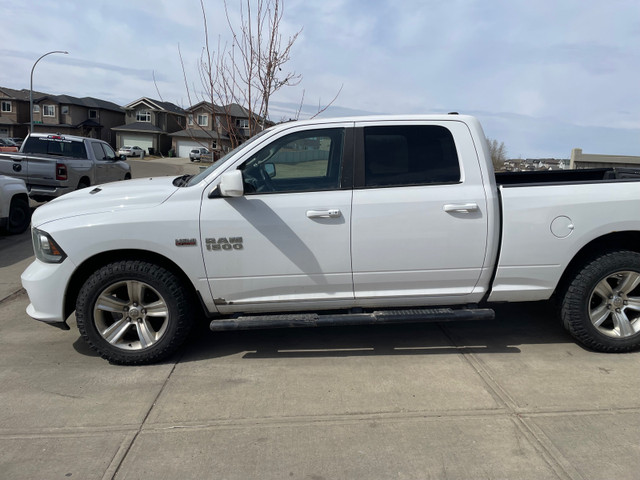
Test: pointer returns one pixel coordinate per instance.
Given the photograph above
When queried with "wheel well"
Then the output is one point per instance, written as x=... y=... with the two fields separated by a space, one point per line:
x=606 y=243
x=84 y=180
x=22 y=196
x=92 y=264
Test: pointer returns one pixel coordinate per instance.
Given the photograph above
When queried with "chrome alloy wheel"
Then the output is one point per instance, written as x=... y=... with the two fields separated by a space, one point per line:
x=614 y=306
x=131 y=315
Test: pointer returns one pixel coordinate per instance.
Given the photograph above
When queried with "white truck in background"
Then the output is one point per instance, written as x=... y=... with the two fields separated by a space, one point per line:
x=15 y=213
x=52 y=165
x=339 y=221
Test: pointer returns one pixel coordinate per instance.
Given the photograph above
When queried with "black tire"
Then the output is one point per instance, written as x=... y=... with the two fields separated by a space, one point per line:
x=601 y=305
x=82 y=184
x=19 y=215
x=127 y=176
x=156 y=314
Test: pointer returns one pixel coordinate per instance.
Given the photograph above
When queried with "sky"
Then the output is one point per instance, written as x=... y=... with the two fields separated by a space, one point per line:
x=543 y=76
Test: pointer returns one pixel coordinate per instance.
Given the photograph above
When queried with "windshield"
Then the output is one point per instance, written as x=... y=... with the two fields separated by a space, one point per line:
x=204 y=174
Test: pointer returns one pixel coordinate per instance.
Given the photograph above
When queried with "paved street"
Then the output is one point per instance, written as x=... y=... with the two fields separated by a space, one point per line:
x=513 y=398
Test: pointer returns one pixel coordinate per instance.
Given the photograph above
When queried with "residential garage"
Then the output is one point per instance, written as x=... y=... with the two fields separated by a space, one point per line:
x=183 y=147
x=142 y=140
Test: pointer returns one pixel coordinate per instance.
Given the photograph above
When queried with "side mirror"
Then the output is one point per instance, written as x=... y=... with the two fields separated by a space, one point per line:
x=270 y=169
x=123 y=158
x=231 y=184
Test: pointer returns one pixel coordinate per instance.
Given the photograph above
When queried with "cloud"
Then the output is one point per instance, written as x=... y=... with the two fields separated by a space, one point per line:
x=548 y=70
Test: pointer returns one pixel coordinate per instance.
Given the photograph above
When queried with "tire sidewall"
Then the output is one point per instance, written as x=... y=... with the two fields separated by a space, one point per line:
x=157 y=277
x=20 y=208
x=576 y=306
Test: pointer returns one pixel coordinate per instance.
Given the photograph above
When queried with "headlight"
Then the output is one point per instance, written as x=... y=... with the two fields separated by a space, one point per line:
x=45 y=248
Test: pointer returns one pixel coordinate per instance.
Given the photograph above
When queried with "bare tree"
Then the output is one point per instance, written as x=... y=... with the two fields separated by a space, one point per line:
x=262 y=54
x=498 y=153
x=250 y=71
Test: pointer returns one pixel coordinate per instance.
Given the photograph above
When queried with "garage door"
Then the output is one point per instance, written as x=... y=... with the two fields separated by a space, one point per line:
x=141 y=140
x=185 y=146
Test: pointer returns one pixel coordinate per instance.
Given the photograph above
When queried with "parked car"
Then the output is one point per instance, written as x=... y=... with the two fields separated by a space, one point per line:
x=52 y=165
x=15 y=213
x=351 y=221
x=8 y=145
x=134 y=151
x=196 y=154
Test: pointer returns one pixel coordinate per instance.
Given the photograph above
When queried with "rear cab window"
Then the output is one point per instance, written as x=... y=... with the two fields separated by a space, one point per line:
x=55 y=145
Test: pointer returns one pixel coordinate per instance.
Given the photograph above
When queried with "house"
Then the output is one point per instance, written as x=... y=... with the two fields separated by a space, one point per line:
x=85 y=117
x=535 y=164
x=218 y=128
x=149 y=123
x=14 y=112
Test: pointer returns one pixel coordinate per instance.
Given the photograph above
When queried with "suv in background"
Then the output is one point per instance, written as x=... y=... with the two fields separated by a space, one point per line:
x=196 y=154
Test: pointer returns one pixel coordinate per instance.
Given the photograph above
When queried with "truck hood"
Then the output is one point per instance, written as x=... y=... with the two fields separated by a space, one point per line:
x=108 y=197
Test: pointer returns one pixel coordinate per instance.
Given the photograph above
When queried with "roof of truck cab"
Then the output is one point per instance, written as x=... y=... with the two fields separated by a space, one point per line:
x=382 y=118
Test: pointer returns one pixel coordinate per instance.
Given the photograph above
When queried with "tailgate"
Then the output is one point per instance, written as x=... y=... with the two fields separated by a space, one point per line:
x=14 y=165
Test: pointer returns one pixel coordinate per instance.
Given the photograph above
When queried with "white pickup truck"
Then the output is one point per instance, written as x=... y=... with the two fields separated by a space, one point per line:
x=52 y=165
x=333 y=222
x=15 y=213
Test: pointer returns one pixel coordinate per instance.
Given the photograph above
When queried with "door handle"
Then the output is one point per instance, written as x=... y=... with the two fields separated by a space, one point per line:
x=460 y=207
x=331 y=213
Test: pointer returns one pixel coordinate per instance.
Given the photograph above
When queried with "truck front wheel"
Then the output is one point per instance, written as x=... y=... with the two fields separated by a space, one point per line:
x=133 y=312
x=601 y=306
x=19 y=215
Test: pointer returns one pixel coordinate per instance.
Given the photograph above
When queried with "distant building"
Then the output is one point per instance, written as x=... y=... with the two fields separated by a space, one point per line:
x=581 y=160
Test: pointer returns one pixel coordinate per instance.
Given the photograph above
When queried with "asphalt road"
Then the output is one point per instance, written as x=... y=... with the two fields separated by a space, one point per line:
x=513 y=398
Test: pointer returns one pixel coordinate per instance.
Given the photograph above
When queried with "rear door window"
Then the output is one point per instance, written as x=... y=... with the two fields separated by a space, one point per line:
x=409 y=155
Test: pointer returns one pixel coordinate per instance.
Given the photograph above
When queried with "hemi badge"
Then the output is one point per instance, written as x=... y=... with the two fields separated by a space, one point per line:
x=185 y=242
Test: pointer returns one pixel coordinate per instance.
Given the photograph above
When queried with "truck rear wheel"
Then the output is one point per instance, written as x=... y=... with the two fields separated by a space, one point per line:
x=133 y=312
x=601 y=305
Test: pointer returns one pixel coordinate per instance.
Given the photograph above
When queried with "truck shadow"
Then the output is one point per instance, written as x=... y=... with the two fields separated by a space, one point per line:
x=515 y=325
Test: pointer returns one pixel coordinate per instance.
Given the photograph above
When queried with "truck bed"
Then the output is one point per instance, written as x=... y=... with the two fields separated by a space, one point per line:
x=591 y=175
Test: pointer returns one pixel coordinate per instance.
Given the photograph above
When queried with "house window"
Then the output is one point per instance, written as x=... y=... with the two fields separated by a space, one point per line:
x=242 y=122
x=203 y=120
x=36 y=109
x=6 y=106
x=93 y=114
x=190 y=119
x=49 y=110
x=143 y=116
x=64 y=109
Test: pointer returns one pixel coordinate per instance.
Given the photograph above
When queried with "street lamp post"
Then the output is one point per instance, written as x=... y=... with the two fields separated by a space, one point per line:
x=31 y=87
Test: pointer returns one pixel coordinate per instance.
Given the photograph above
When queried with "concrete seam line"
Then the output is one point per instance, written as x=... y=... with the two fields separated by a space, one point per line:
x=123 y=452
x=13 y=295
x=561 y=466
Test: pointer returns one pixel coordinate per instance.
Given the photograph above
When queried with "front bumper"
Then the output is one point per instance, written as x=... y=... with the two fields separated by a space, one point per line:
x=46 y=285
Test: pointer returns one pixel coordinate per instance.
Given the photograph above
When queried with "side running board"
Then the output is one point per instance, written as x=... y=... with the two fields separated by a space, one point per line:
x=422 y=315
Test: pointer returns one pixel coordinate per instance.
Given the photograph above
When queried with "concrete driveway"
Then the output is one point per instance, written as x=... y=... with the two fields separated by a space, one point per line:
x=513 y=398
